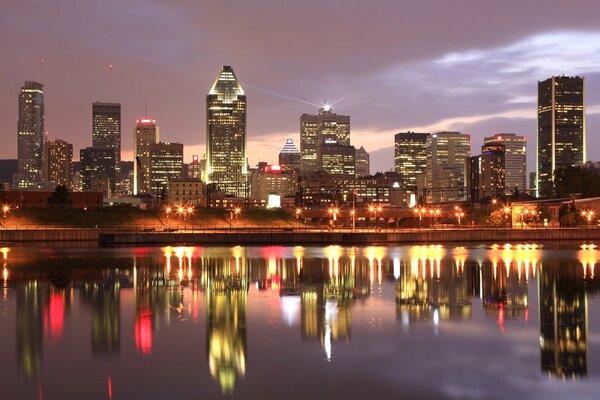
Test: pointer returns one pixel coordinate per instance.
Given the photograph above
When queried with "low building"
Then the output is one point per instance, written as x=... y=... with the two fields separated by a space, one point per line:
x=272 y=180
x=39 y=199
x=187 y=192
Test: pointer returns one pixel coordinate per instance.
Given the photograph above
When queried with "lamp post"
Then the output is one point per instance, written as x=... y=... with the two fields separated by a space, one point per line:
x=459 y=213
x=168 y=214
x=506 y=210
x=377 y=211
x=333 y=211
x=233 y=213
x=353 y=214
x=420 y=211
x=5 y=210
x=589 y=216
x=371 y=210
x=298 y=212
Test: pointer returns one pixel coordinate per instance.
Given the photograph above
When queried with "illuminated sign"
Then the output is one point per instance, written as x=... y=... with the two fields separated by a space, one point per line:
x=274 y=168
x=274 y=201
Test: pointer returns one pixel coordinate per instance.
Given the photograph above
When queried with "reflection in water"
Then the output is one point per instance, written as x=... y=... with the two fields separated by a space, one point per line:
x=318 y=288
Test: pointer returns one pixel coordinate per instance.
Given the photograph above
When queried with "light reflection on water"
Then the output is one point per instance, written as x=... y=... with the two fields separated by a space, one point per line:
x=142 y=308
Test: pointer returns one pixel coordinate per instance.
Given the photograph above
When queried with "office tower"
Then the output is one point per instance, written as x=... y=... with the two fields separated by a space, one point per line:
x=226 y=160
x=515 y=160
x=337 y=159
x=106 y=134
x=58 y=163
x=410 y=157
x=447 y=154
x=486 y=176
x=30 y=136
x=194 y=171
x=362 y=163
x=97 y=170
x=272 y=180
x=166 y=164
x=145 y=134
x=561 y=128
x=532 y=190
x=315 y=130
x=289 y=157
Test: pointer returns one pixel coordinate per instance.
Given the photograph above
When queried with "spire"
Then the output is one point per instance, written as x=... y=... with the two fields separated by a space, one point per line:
x=289 y=147
x=226 y=86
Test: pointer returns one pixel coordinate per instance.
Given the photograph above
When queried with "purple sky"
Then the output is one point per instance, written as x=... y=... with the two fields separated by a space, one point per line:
x=392 y=65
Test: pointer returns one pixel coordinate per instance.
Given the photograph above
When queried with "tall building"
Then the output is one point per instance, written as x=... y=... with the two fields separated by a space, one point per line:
x=362 y=162
x=515 y=160
x=194 y=171
x=58 y=162
x=226 y=159
x=145 y=134
x=337 y=159
x=166 y=164
x=97 y=169
x=486 y=176
x=447 y=154
x=289 y=157
x=315 y=130
x=106 y=134
x=30 y=136
x=410 y=157
x=561 y=137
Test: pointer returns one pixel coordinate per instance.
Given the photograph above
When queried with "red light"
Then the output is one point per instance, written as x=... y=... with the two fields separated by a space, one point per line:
x=195 y=158
x=54 y=316
x=143 y=332
x=274 y=168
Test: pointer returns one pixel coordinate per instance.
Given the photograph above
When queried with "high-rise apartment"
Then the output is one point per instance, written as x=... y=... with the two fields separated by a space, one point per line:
x=58 y=162
x=30 y=136
x=515 y=160
x=362 y=162
x=447 y=154
x=315 y=130
x=106 y=134
x=145 y=134
x=561 y=137
x=410 y=157
x=226 y=159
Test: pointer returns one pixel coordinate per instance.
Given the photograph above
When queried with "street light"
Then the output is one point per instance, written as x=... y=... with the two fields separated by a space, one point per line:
x=588 y=215
x=353 y=214
x=333 y=211
x=420 y=211
x=168 y=213
x=298 y=212
x=459 y=213
x=5 y=210
x=234 y=213
x=377 y=211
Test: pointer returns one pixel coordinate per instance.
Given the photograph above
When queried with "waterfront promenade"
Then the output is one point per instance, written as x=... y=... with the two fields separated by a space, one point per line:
x=290 y=236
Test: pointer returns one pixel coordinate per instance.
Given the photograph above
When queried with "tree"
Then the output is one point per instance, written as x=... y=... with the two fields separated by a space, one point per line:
x=61 y=198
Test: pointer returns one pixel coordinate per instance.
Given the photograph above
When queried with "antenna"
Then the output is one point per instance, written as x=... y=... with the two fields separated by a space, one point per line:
x=42 y=69
x=110 y=82
x=146 y=108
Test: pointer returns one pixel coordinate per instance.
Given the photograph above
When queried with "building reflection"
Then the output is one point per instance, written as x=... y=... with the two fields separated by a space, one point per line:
x=30 y=335
x=226 y=291
x=431 y=286
x=563 y=320
x=104 y=298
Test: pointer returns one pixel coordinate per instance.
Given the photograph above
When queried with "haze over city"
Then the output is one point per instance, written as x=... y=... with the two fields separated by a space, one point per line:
x=392 y=66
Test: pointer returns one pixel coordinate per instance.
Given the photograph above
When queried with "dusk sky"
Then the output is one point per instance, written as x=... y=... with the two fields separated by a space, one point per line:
x=393 y=66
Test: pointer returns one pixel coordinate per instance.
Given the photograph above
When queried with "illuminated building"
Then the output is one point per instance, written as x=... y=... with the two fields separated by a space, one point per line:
x=145 y=134
x=97 y=169
x=271 y=179
x=166 y=164
x=410 y=157
x=226 y=159
x=187 y=192
x=563 y=320
x=515 y=160
x=316 y=130
x=58 y=163
x=30 y=136
x=447 y=155
x=561 y=134
x=106 y=134
x=361 y=162
x=486 y=174
x=194 y=170
x=289 y=157
x=336 y=159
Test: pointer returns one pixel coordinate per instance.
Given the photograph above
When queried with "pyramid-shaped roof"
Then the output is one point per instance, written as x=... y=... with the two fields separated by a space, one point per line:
x=289 y=147
x=226 y=86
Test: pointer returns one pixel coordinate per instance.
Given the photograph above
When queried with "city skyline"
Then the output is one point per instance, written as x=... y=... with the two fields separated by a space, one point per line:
x=452 y=84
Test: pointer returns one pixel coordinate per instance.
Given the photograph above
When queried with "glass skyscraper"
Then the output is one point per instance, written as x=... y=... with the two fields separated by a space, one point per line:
x=106 y=134
x=226 y=159
x=145 y=134
x=561 y=128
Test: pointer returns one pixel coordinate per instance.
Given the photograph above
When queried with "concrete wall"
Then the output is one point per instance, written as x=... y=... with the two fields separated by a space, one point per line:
x=49 y=235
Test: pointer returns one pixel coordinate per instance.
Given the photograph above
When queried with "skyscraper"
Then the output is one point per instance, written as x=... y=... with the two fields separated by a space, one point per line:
x=561 y=128
x=486 y=174
x=315 y=130
x=58 y=162
x=97 y=169
x=166 y=164
x=30 y=136
x=515 y=160
x=362 y=162
x=289 y=157
x=145 y=134
x=447 y=154
x=337 y=159
x=106 y=134
x=226 y=159
x=410 y=157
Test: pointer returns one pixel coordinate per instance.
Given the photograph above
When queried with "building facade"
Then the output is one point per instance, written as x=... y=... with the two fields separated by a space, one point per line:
x=97 y=170
x=30 y=136
x=272 y=180
x=362 y=162
x=515 y=160
x=445 y=178
x=486 y=174
x=289 y=157
x=226 y=159
x=184 y=192
x=106 y=134
x=58 y=163
x=315 y=130
x=337 y=159
x=561 y=133
x=145 y=134
x=166 y=164
x=410 y=158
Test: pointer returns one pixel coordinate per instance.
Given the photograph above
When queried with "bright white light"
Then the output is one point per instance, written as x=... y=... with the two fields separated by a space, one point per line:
x=326 y=107
x=396 y=268
x=290 y=307
x=274 y=201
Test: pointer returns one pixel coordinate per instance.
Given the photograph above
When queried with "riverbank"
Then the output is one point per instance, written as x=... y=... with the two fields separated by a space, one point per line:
x=290 y=236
